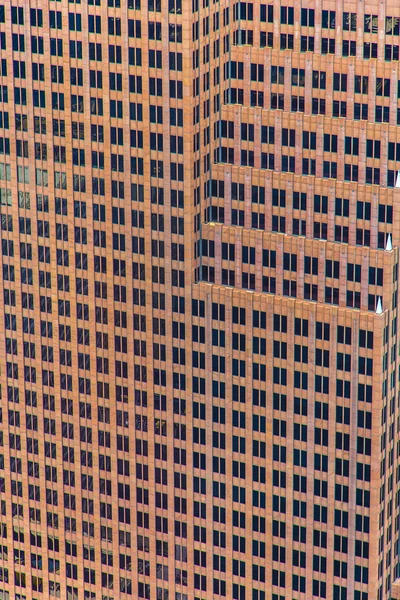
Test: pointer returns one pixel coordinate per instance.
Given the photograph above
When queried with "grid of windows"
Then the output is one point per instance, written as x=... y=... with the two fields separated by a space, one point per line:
x=157 y=433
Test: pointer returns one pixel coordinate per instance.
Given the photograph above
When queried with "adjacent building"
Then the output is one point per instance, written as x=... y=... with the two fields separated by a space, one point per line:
x=199 y=358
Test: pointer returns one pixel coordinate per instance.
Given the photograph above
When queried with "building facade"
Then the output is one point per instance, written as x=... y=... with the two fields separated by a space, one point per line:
x=199 y=358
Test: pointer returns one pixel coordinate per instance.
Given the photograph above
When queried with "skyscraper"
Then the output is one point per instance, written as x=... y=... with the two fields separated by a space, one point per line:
x=200 y=357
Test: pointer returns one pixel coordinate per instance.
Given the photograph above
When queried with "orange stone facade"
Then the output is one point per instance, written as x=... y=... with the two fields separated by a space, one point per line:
x=200 y=358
